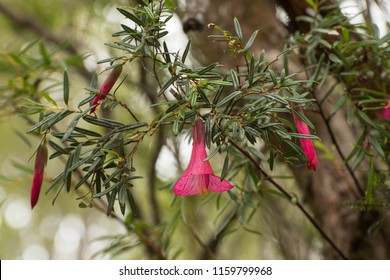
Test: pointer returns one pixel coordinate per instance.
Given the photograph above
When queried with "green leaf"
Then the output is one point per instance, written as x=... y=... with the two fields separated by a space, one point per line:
x=237 y=27
x=57 y=117
x=273 y=76
x=335 y=59
x=111 y=199
x=175 y=127
x=296 y=148
x=250 y=41
x=304 y=119
x=66 y=87
x=377 y=146
x=48 y=98
x=186 y=51
x=212 y=154
x=304 y=136
x=131 y=201
x=206 y=69
x=83 y=180
x=357 y=147
x=203 y=95
x=193 y=98
x=71 y=127
x=166 y=53
x=102 y=122
x=87 y=132
x=168 y=84
x=57 y=147
x=131 y=16
x=225 y=167
x=368 y=121
x=235 y=80
x=229 y=98
x=131 y=126
x=359 y=159
x=45 y=56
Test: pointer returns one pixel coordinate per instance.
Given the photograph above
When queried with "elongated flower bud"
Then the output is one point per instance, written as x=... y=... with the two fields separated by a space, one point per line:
x=106 y=86
x=306 y=144
x=39 y=169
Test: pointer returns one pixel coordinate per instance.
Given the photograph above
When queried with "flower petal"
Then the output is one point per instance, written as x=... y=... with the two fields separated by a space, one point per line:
x=308 y=149
x=186 y=186
x=215 y=184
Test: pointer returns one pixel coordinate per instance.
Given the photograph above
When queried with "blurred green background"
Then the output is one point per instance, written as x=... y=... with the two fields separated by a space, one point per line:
x=65 y=231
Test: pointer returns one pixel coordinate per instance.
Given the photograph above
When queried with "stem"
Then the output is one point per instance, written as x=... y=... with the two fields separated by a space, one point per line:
x=290 y=197
x=338 y=148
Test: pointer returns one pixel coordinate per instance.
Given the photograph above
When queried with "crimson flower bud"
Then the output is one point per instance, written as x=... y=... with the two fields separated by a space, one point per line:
x=39 y=168
x=306 y=144
x=106 y=86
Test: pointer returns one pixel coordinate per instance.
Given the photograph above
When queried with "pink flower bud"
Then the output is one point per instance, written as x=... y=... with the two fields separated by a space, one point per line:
x=39 y=168
x=106 y=86
x=306 y=144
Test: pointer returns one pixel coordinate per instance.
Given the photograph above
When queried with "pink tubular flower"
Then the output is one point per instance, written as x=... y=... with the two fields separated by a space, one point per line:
x=199 y=176
x=385 y=114
x=39 y=168
x=106 y=86
x=306 y=144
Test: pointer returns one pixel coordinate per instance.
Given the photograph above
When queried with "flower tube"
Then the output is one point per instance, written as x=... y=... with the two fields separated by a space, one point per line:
x=199 y=178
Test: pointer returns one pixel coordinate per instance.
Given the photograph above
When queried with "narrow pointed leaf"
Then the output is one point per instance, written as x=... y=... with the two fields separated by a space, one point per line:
x=66 y=87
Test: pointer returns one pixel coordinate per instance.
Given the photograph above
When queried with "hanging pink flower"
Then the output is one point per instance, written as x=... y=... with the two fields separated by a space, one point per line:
x=106 y=86
x=39 y=168
x=385 y=114
x=199 y=176
x=306 y=144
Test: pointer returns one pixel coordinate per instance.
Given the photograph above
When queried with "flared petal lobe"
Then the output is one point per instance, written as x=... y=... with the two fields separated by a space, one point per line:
x=385 y=114
x=306 y=144
x=106 y=86
x=199 y=178
x=39 y=169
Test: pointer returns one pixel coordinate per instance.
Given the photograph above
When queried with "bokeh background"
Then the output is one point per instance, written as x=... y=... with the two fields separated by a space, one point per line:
x=66 y=231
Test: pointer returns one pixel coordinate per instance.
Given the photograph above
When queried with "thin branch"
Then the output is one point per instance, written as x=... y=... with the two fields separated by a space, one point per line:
x=160 y=141
x=291 y=198
x=338 y=148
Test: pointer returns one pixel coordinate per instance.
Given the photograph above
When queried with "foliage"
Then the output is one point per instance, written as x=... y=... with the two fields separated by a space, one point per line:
x=355 y=60
x=247 y=112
